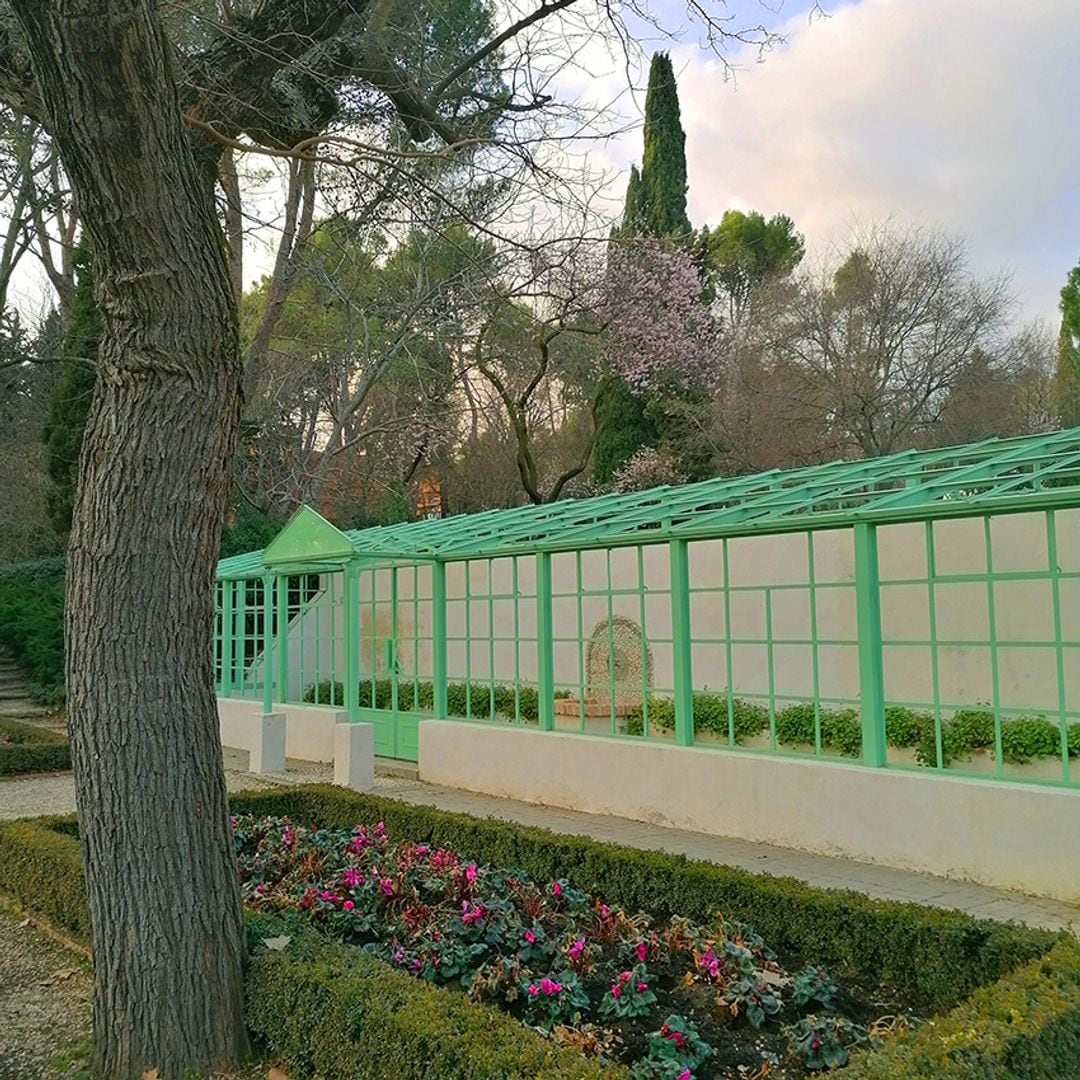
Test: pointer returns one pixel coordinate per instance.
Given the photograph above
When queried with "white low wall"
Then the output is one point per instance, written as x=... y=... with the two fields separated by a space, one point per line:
x=1014 y=836
x=309 y=729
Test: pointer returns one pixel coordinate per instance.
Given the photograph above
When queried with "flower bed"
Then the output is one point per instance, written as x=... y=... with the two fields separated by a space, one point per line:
x=674 y=1000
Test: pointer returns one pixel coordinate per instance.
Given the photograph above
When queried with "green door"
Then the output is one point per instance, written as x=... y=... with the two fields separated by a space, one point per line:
x=391 y=695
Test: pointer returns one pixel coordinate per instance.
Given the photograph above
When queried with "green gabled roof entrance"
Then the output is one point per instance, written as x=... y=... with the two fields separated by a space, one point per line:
x=308 y=538
x=993 y=476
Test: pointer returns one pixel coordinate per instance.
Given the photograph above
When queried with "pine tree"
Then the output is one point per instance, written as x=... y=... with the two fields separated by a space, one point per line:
x=1067 y=377
x=70 y=405
x=663 y=163
x=1067 y=380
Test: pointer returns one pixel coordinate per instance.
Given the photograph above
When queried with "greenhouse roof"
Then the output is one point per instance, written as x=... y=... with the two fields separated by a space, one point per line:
x=993 y=476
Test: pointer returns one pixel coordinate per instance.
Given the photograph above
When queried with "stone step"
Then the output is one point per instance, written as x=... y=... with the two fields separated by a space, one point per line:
x=13 y=695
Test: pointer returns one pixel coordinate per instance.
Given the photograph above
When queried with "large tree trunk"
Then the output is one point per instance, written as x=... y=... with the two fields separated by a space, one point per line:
x=166 y=928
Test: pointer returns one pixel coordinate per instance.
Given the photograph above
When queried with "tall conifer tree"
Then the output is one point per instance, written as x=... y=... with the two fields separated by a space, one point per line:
x=663 y=163
x=655 y=206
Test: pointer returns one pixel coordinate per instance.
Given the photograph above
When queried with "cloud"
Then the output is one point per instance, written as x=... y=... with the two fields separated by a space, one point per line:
x=958 y=114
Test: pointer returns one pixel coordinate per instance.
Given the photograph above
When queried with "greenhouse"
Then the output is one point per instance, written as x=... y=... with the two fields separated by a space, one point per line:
x=919 y=611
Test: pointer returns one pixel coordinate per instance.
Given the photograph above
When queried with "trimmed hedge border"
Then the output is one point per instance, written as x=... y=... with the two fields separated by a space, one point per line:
x=329 y=1010
x=1025 y=1025
x=34 y=749
x=1014 y=992
x=41 y=868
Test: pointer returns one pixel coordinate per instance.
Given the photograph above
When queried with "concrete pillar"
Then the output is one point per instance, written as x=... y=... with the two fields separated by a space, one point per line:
x=267 y=743
x=354 y=754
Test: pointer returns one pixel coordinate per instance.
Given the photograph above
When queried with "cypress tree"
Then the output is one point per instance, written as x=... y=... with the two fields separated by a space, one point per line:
x=632 y=211
x=623 y=428
x=70 y=405
x=663 y=163
x=655 y=206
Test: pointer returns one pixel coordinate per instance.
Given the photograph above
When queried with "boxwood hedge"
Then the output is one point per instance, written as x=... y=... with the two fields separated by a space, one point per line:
x=329 y=1010
x=1027 y=1025
x=26 y=748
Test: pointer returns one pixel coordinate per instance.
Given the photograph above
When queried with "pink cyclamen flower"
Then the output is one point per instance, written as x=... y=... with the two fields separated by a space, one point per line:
x=326 y=895
x=530 y=937
x=556 y=889
x=624 y=977
x=421 y=849
x=604 y=911
x=549 y=986
x=470 y=873
x=348 y=905
x=533 y=989
x=387 y=886
x=576 y=949
x=286 y=837
x=399 y=956
x=710 y=964
x=685 y=1075
x=352 y=877
x=641 y=988
x=642 y=952
x=471 y=915
x=443 y=860
x=616 y=990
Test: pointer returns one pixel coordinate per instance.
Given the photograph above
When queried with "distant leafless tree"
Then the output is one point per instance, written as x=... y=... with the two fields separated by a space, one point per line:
x=882 y=339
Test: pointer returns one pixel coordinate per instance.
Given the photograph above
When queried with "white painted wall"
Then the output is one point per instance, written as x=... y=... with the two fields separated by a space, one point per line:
x=1014 y=836
x=309 y=729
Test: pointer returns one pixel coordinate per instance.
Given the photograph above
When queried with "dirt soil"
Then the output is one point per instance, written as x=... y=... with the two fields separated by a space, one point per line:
x=44 y=1005
x=45 y=1009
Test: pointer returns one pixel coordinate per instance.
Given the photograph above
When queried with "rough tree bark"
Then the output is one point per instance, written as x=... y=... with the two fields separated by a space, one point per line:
x=166 y=928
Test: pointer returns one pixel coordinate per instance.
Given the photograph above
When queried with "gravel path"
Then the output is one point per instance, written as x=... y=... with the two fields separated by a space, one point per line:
x=54 y=793
x=44 y=1006
x=32 y=796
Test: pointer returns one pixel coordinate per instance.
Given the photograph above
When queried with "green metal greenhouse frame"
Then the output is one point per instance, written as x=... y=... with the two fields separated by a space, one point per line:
x=261 y=595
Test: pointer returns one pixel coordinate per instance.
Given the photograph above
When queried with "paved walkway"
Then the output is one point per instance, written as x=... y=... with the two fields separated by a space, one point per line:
x=54 y=794
x=877 y=881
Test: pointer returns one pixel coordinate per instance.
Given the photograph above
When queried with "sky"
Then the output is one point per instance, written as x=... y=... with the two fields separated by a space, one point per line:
x=952 y=114
x=958 y=115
